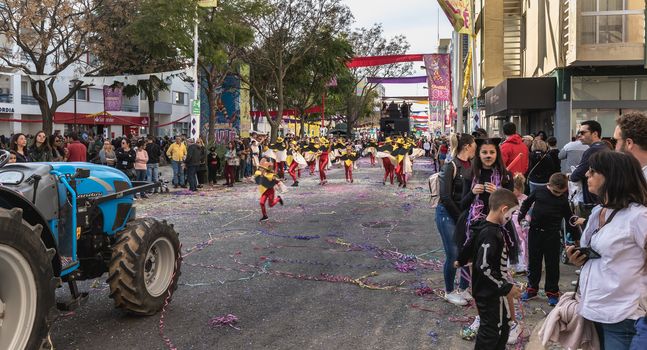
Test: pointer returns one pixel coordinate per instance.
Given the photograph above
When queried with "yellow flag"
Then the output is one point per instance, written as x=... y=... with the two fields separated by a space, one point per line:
x=208 y=3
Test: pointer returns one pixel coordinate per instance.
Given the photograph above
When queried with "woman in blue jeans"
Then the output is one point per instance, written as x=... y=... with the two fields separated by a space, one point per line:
x=613 y=282
x=451 y=190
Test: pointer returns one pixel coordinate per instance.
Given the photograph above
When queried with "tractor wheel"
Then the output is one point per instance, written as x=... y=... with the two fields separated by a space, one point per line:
x=145 y=266
x=27 y=284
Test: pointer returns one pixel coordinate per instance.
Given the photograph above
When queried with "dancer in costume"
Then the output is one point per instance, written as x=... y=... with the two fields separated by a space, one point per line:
x=348 y=157
x=384 y=153
x=280 y=150
x=293 y=165
x=310 y=154
x=400 y=153
x=323 y=150
x=371 y=150
x=266 y=180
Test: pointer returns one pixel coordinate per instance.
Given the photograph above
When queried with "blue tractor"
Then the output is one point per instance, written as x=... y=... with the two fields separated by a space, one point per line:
x=68 y=222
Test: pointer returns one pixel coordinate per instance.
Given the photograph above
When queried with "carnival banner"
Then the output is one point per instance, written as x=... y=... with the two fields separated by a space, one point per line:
x=369 y=61
x=112 y=98
x=439 y=76
x=458 y=14
x=223 y=136
x=402 y=80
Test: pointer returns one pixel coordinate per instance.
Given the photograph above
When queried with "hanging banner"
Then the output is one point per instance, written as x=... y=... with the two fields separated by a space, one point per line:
x=382 y=60
x=439 y=76
x=112 y=98
x=402 y=80
x=223 y=136
x=458 y=14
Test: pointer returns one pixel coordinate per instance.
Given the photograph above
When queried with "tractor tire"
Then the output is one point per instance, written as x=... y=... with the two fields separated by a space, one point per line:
x=145 y=266
x=27 y=284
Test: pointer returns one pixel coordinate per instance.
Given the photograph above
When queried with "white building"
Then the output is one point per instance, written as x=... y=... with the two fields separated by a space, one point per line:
x=19 y=110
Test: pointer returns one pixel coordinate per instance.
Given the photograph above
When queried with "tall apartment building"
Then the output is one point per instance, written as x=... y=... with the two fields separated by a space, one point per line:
x=549 y=65
x=19 y=111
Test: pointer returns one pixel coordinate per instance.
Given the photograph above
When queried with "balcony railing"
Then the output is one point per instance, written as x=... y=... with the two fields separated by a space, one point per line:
x=6 y=98
x=28 y=100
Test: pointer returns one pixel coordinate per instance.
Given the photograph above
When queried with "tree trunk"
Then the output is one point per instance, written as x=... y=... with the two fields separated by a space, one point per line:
x=151 y=110
x=255 y=121
x=39 y=92
x=302 y=122
x=349 y=129
x=211 y=92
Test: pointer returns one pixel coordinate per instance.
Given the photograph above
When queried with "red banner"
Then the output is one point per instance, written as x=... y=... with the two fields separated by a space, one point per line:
x=93 y=119
x=382 y=60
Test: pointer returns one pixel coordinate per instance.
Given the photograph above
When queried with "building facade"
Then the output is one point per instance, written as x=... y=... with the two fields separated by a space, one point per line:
x=578 y=60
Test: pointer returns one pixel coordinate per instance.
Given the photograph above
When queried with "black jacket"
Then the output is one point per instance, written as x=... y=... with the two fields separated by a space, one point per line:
x=543 y=165
x=579 y=175
x=193 y=155
x=154 y=153
x=125 y=159
x=451 y=188
x=488 y=252
x=548 y=211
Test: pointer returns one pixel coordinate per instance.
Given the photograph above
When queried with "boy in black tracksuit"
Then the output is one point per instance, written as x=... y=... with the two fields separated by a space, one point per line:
x=550 y=207
x=489 y=266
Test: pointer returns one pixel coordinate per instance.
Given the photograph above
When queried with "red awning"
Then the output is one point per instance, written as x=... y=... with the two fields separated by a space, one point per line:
x=98 y=119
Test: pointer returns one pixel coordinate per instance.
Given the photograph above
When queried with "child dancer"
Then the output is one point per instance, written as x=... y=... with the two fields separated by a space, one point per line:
x=266 y=181
x=324 y=148
x=281 y=154
x=348 y=157
x=387 y=148
x=293 y=151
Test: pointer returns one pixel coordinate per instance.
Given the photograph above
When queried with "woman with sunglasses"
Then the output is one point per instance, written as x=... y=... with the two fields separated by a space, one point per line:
x=126 y=158
x=56 y=145
x=40 y=150
x=613 y=250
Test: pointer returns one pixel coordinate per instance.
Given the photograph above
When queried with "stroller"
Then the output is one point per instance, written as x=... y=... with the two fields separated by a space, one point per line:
x=164 y=188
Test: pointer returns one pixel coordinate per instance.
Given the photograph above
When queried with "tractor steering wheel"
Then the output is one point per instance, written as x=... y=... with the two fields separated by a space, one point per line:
x=4 y=157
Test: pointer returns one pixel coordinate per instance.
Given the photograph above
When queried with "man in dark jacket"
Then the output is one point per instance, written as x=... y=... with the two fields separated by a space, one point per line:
x=192 y=161
x=511 y=148
x=590 y=134
x=152 y=166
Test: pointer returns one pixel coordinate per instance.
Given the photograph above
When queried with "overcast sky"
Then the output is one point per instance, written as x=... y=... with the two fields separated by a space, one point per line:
x=415 y=19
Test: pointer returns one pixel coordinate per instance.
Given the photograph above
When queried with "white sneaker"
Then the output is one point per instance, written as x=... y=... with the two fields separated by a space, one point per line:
x=476 y=324
x=455 y=298
x=515 y=332
x=466 y=295
x=577 y=272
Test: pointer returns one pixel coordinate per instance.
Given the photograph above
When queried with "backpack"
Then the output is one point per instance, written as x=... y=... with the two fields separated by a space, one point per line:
x=434 y=186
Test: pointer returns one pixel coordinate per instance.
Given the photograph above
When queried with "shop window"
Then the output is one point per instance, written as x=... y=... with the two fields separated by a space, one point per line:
x=606 y=118
x=595 y=88
x=81 y=94
x=633 y=89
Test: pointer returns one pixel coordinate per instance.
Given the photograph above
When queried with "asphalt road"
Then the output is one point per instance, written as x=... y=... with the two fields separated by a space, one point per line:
x=299 y=280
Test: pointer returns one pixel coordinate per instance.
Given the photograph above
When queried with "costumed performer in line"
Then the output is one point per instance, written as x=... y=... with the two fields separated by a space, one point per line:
x=400 y=153
x=324 y=150
x=348 y=158
x=293 y=165
x=280 y=150
x=310 y=154
x=384 y=153
x=371 y=150
x=266 y=180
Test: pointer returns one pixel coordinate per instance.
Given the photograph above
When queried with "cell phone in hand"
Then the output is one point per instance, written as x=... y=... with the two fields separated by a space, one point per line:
x=589 y=252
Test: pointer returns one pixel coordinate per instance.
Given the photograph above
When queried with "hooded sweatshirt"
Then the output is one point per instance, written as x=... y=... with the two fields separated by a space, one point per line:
x=488 y=259
x=510 y=149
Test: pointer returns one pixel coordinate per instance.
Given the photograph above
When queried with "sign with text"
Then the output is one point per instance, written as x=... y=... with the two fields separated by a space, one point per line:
x=112 y=98
x=439 y=76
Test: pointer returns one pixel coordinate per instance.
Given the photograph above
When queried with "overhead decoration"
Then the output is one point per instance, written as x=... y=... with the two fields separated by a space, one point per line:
x=401 y=80
x=369 y=61
x=439 y=75
x=458 y=14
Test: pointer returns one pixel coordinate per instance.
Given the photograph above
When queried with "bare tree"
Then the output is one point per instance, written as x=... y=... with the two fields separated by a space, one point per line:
x=49 y=37
x=284 y=34
x=357 y=95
